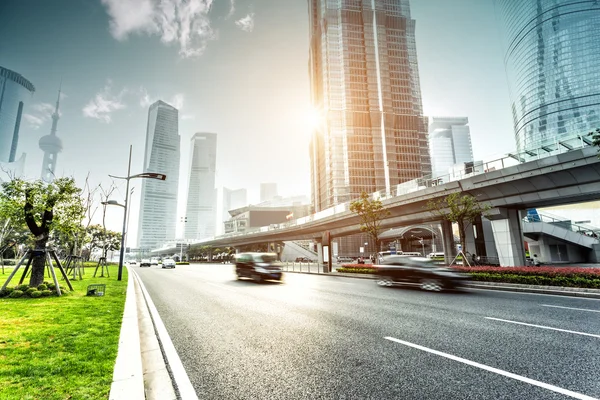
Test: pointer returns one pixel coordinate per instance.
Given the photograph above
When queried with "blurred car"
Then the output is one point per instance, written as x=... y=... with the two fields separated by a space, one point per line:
x=154 y=261
x=132 y=262
x=303 y=259
x=168 y=263
x=343 y=259
x=145 y=262
x=423 y=272
x=258 y=266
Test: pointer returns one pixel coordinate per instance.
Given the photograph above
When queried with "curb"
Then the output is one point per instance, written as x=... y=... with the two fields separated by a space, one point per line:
x=507 y=287
x=147 y=364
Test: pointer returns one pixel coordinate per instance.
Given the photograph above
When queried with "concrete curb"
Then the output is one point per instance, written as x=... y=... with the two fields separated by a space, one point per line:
x=128 y=376
x=507 y=287
x=147 y=365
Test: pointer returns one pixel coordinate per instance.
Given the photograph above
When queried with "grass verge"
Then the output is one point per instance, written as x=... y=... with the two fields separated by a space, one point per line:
x=61 y=347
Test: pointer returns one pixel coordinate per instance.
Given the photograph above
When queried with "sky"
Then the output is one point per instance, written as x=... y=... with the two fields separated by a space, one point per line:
x=238 y=68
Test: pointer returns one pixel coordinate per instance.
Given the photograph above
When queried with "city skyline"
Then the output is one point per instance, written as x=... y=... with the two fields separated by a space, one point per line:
x=250 y=85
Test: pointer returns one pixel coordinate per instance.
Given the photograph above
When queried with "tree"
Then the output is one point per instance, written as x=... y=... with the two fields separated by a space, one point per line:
x=461 y=208
x=371 y=213
x=45 y=209
x=595 y=138
x=101 y=238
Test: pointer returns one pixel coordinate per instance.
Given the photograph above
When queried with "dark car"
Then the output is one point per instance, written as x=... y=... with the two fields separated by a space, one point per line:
x=424 y=272
x=258 y=266
x=303 y=259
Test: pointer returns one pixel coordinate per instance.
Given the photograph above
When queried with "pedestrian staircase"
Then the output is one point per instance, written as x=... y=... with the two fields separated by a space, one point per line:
x=295 y=249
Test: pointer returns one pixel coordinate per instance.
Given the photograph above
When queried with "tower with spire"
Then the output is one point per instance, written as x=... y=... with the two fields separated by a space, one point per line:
x=51 y=145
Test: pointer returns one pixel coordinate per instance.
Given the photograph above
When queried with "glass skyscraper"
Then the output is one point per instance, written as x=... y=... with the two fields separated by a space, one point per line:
x=553 y=66
x=158 y=207
x=365 y=86
x=449 y=143
x=201 y=211
x=14 y=90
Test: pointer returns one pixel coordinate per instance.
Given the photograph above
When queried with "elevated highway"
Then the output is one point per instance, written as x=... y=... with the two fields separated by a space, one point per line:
x=569 y=177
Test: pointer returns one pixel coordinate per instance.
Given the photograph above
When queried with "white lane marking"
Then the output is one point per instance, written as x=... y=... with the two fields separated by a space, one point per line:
x=496 y=370
x=570 y=308
x=544 y=327
x=180 y=376
x=536 y=294
x=221 y=287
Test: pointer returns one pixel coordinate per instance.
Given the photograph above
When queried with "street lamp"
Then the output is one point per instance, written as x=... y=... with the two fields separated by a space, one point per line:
x=422 y=241
x=150 y=175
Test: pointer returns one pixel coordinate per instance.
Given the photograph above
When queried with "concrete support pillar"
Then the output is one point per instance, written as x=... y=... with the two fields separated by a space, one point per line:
x=470 y=239
x=320 y=253
x=210 y=254
x=508 y=235
x=448 y=240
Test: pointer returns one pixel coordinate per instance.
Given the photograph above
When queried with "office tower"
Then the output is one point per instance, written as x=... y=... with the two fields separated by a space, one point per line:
x=232 y=200
x=51 y=145
x=14 y=91
x=158 y=206
x=365 y=85
x=268 y=191
x=553 y=69
x=449 y=144
x=201 y=211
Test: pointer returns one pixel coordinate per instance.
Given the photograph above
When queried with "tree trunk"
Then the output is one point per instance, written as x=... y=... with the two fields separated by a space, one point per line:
x=38 y=264
x=461 y=234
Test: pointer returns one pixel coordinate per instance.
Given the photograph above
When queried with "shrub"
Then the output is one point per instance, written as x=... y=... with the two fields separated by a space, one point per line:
x=36 y=294
x=42 y=287
x=7 y=291
x=30 y=290
x=16 y=294
x=22 y=287
x=357 y=270
x=46 y=293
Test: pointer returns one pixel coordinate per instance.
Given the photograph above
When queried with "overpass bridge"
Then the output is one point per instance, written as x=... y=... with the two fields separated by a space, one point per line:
x=510 y=185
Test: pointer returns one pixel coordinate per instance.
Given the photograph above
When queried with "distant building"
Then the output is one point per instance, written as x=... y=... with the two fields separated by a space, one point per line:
x=553 y=68
x=449 y=144
x=365 y=86
x=232 y=200
x=268 y=191
x=158 y=208
x=14 y=91
x=201 y=210
x=252 y=218
x=51 y=145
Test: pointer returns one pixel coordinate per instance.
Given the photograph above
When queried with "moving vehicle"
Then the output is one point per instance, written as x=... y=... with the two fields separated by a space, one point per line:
x=154 y=261
x=423 y=272
x=145 y=262
x=132 y=262
x=258 y=266
x=168 y=263
x=382 y=254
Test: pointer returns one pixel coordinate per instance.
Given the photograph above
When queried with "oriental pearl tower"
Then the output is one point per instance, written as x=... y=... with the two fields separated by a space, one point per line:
x=51 y=145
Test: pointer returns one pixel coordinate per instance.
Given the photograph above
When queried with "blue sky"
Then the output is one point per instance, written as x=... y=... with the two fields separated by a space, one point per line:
x=234 y=67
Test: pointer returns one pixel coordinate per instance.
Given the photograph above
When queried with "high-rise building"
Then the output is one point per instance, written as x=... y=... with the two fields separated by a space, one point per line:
x=553 y=69
x=365 y=85
x=449 y=144
x=158 y=207
x=201 y=211
x=268 y=191
x=14 y=91
x=51 y=145
x=232 y=200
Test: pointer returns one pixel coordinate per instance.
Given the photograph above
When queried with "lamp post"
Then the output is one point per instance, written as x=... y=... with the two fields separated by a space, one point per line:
x=150 y=175
x=422 y=242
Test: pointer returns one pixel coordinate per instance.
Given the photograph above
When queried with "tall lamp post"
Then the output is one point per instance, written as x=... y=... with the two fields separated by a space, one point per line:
x=150 y=175
x=422 y=242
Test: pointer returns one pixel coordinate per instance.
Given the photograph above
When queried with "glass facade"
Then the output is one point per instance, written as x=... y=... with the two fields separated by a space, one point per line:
x=449 y=143
x=158 y=207
x=201 y=211
x=365 y=85
x=14 y=91
x=553 y=66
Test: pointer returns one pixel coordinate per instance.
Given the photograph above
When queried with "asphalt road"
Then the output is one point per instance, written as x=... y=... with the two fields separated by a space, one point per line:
x=325 y=337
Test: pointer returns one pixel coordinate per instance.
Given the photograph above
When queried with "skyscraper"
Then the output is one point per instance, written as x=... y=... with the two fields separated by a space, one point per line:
x=449 y=143
x=232 y=200
x=158 y=207
x=51 y=145
x=201 y=210
x=14 y=91
x=365 y=85
x=553 y=69
x=268 y=191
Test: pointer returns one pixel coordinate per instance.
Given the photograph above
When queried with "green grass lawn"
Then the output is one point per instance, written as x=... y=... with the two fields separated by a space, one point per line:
x=61 y=347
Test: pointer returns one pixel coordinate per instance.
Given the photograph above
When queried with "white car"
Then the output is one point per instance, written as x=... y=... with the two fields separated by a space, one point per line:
x=168 y=263
x=154 y=261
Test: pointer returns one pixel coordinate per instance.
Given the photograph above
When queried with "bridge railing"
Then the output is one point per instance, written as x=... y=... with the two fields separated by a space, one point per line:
x=563 y=223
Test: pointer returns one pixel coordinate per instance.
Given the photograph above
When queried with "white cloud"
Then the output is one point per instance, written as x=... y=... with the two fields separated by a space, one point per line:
x=40 y=114
x=104 y=103
x=231 y=8
x=184 y=22
x=146 y=100
x=247 y=23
